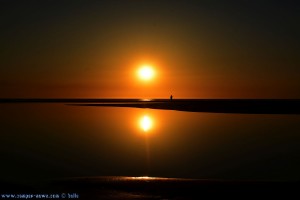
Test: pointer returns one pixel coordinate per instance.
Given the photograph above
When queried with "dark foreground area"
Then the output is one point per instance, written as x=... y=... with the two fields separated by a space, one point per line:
x=240 y=106
x=154 y=188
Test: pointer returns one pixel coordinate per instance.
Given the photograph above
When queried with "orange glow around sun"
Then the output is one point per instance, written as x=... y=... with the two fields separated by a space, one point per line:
x=146 y=72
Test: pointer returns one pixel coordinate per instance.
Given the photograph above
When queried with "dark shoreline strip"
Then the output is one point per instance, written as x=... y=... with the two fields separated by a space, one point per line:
x=241 y=106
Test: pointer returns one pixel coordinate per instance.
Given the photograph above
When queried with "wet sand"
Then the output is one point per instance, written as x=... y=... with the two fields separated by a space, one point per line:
x=158 y=188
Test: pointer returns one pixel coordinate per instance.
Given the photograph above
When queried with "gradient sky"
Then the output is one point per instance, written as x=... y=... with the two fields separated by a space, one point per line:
x=200 y=49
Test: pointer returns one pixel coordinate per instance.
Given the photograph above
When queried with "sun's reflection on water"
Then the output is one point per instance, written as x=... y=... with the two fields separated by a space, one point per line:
x=146 y=123
x=142 y=178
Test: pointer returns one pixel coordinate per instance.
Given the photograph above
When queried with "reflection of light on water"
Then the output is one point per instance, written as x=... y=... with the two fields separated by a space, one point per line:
x=129 y=178
x=146 y=123
x=142 y=178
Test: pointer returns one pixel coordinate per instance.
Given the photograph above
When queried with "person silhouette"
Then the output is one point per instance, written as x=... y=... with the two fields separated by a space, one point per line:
x=171 y=97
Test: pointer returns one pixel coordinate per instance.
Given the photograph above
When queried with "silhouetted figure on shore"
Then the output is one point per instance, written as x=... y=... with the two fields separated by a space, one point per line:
x=171 y=97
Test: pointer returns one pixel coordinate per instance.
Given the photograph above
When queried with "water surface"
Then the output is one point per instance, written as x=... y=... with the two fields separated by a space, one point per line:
x=54 y=141
x=110 y=141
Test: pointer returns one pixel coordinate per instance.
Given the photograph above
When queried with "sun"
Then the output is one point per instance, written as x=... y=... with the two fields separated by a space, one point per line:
x=146 y=73
x=146 y=123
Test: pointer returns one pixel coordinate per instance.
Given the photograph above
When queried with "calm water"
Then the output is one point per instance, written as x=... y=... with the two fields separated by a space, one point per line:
x=54 y=141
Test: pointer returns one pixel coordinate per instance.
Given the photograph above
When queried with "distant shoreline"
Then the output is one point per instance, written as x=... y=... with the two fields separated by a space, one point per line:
x=239 y=106
x=123 y=100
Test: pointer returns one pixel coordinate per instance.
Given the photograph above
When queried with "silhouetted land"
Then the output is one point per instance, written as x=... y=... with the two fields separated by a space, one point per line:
x=242 y=106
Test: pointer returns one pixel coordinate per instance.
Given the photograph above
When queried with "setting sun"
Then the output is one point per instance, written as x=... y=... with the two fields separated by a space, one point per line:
x=146 y=123
x=146 y=72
